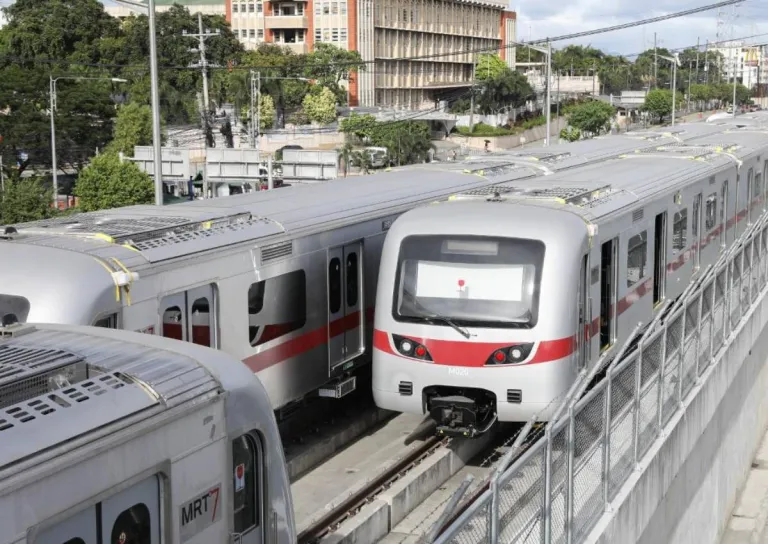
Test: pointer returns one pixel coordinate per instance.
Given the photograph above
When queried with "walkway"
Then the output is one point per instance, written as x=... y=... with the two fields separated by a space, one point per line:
x=748 y=519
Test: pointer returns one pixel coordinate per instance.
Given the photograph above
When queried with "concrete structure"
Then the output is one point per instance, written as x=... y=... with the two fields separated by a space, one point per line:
x=206 y=7
x=749 y=62
x=384 y=32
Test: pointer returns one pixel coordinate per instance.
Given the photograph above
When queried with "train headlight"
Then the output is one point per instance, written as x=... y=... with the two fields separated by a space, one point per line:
x=411 y=348
x=510 y=355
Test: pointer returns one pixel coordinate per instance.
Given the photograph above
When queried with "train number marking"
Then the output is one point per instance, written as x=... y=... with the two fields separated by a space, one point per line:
x=200 y=512
x=457 y=371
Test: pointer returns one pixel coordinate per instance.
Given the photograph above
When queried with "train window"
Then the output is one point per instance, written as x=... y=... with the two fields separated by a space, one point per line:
x=132 y=526
x=334 y=285
x=680 y=229
x=710 y=212
x=172 y=323
x=201 y=322
x=352 y=284
x=283 y=307
x=245 y=464
x=107 y=322
x=637 y=258
x=723 y=218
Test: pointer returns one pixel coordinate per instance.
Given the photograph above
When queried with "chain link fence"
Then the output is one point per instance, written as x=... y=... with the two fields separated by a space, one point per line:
x=560 y=487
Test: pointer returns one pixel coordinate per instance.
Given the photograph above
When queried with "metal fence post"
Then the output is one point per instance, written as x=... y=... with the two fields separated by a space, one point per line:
x=699 y=329
x=494 y=513
x=568 y=495
x=607 y=436
x=636 y=402
x=662 y=371
x=681 y=356
x=547 y=487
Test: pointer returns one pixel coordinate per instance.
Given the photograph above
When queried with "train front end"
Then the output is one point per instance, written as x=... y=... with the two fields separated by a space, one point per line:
x=477 y=313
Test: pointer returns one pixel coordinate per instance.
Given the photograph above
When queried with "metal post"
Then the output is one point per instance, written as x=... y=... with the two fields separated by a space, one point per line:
x=681 y=356
x=54 y=167
x=472 y=100
x=674 y=89
x=258 y=110
x=455 y=498
x=270 y=181
x=156 y=135
x=548 y=485
x=549 y=89
x=607 y=436
x=203 y=62
x=636 y=402
x=568 y=495
x=662 y=370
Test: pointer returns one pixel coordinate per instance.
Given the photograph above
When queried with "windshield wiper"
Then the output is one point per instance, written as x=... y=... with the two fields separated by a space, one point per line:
x=433 y=316
x=461 y=330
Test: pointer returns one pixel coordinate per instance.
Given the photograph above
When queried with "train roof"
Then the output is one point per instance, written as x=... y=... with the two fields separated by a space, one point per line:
x=600 y=189
x=140 y=235
x=58 y=383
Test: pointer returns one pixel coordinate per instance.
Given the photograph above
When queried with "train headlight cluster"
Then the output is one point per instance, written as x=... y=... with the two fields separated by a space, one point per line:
x=411 y=348
x=510 y=355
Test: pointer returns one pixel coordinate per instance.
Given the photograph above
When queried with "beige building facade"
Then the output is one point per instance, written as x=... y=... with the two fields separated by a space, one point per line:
x=417 y=51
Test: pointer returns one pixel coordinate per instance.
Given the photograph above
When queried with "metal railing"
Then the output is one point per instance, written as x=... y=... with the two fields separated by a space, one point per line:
x=561 y=486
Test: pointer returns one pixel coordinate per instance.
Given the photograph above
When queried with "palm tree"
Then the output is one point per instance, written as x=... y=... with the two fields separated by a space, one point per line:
x=362 y=159
x=346 y=156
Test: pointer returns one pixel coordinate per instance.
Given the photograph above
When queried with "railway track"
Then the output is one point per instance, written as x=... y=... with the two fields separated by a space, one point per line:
x=352 y=504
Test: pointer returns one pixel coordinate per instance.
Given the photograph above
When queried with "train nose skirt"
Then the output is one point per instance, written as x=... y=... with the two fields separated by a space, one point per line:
x=457 y=415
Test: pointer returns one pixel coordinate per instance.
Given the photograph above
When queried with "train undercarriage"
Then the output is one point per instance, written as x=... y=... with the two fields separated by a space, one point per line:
x=464 y=412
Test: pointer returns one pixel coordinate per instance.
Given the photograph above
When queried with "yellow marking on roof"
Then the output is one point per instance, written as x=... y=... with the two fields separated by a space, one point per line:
x=106 y=237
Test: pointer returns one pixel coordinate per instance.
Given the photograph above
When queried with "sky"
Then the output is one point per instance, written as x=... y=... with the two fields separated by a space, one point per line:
x=537 y=20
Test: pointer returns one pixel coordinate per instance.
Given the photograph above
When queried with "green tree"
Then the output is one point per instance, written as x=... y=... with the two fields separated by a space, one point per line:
x=24 y=199
x=267 y=112
x=362 y=160
x=109 y=183
x=509 y=89
x=570 y=134
x=592 y=117
x=359 y=126
x=177 y=88
x=133 y=126
x=658 y=102
x=489 y=67
x=407 y=142
x=321 y=107
x=329 y=65
x=70 y=31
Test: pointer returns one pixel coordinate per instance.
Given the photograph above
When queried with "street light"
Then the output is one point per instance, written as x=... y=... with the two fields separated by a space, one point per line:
x=155 y=94
x=675 y=61
x=52 y=91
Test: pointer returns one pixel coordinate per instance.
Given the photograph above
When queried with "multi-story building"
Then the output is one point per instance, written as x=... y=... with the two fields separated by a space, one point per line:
x=417 y=51
x=206 y=7
x=748 y=62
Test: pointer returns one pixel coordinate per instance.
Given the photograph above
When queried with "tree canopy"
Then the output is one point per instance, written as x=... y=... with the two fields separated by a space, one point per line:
x=408 y=142
x=108 y=183
x=592 y=117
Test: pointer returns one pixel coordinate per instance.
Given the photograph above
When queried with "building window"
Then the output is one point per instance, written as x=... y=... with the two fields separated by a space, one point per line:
x=259 y=8
x=326 y=8
x=250 y=8
x=243 y=33
x=234 y=8
x=335 y=8
x=680 y=229
x=252 y=33
x=326 y=35
x=318 y=8
x=318 y=35
x=260 y=33
x=335 y=34
x=286 y=298
x=343 y=34
x=710 y=212
x=637 y=258
x=343 y=8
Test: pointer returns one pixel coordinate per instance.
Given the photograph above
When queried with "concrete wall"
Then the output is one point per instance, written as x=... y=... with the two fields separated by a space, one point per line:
x=510 y=142
x=685 y=489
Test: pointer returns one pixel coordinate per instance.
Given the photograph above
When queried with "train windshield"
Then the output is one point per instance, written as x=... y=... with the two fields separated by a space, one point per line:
x=13 y=309
x=468 y=280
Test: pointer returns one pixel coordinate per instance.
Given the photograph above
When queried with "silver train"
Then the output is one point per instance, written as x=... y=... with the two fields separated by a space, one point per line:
x=490 y=303
x=283 y=280
x=114 y=436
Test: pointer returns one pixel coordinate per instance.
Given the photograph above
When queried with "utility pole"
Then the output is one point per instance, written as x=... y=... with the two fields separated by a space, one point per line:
x=549 y=95
x=655 y=63
x=201 y=36
x=688 y=107
x=255 y=129
x=698 y=46
x=706 y=63
x=472 y=98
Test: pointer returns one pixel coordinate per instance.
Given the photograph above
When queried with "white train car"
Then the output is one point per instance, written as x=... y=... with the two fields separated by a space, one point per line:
x=283 y=280
x=114 y=436
x=489 y=304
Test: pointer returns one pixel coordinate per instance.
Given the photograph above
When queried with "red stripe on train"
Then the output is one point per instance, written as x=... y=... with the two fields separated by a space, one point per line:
x=475 y=354
x=306 y=342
